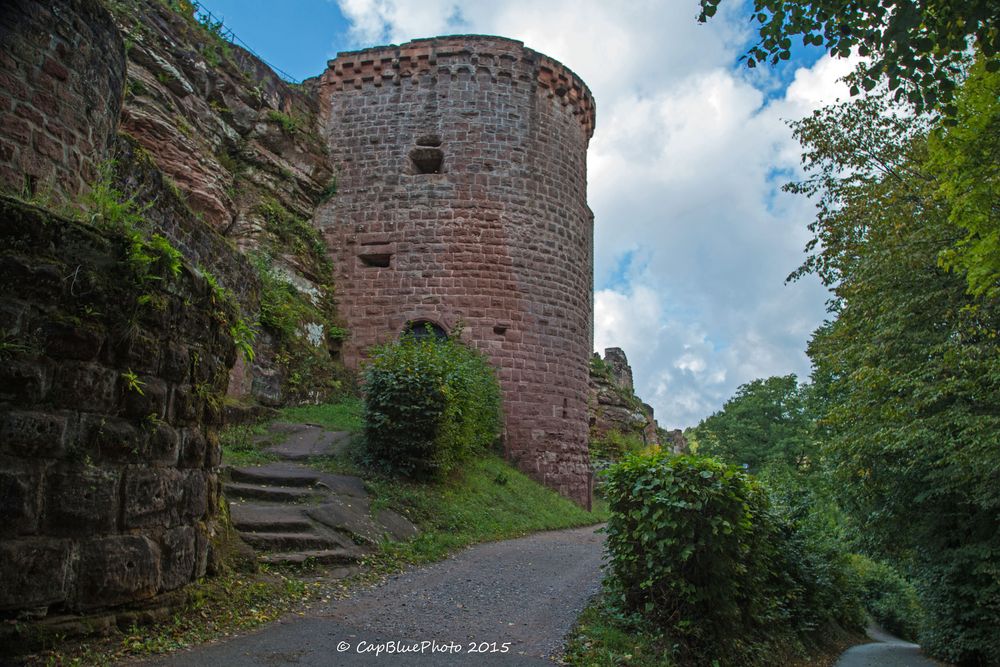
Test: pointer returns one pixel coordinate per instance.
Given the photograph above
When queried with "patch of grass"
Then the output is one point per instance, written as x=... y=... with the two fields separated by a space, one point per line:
x=603 y=639
x=488 y=499
x=289 y=124
x=239 y=448
x=347 y=415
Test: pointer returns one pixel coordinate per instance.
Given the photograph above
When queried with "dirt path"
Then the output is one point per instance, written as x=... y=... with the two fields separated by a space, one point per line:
x=885 y=651
x=512 y=600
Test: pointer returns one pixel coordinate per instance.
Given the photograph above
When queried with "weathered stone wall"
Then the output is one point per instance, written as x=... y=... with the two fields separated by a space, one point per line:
x=108 y=408
x=62 y=68
x=111 y=384
x=231 y=161
x=461 y=198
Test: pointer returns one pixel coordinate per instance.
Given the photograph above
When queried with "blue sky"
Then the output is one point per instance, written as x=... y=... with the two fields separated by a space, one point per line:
x=693 y=237
x=298 y=36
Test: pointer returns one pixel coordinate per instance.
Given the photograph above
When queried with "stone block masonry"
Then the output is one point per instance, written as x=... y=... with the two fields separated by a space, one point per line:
x=461 y=167
x=62 y=69
x=110 y=397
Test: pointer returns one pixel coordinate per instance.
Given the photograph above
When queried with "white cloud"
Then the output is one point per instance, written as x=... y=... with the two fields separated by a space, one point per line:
x=693 y=239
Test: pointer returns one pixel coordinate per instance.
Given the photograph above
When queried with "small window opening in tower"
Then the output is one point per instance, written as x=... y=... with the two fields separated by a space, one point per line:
x=377 y=259
x=427 y=160
x=421 y=329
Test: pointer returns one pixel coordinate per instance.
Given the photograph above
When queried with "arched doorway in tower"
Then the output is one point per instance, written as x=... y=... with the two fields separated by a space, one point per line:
x=421 y=329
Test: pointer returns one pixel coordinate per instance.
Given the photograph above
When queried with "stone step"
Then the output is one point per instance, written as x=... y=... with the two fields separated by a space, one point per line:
x=285 y=542
x=276 y=474
x=278 y=431
x=312 y=442
x=324 y=556
x=278 y=494
x=269 y=518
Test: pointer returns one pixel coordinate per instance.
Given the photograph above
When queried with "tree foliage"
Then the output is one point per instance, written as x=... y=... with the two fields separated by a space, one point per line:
x=910 y=368
x=697 y=551
x=765 y=424
x=965 y=160
x=916 y=46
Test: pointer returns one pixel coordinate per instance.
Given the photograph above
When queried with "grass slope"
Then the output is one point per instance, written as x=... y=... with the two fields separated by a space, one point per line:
x=489 y=500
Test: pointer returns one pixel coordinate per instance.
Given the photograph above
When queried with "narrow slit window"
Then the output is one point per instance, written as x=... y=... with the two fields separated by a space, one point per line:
x=377 y=259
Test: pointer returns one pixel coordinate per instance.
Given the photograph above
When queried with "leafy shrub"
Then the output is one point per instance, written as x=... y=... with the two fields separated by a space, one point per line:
x=429 y=404
x=889 y=598
x=697 y=552
x=960 y=594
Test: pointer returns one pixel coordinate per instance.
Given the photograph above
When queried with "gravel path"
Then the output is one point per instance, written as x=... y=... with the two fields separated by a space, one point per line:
x=514 y=601
x=885 y=651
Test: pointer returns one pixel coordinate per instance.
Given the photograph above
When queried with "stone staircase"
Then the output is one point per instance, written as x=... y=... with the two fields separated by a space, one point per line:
x=291 y=513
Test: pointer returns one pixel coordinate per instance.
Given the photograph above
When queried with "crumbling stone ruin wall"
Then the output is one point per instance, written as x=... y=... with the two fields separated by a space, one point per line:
x=461 y=166
x=62 y=68
x=614 y=407
x=111 y=387
x=108 y=413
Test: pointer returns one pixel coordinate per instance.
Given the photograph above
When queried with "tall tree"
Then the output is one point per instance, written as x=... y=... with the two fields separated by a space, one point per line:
x=910 y=367
x=916 y=46
x=965 y=159
x=764 y=425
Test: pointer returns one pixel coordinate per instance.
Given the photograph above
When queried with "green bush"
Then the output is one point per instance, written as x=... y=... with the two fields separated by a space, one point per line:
x=697 y=553
x=959 y=588
x=889 y=598
x=429 y=404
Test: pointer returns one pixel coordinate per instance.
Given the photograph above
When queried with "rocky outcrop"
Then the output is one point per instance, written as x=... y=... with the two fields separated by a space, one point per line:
x=675 y=441
x=222 y=125
x=618 y=367
x=615 y=411
x=242 y=147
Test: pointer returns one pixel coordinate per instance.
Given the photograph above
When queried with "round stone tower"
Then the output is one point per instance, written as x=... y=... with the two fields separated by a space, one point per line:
x=461 y=198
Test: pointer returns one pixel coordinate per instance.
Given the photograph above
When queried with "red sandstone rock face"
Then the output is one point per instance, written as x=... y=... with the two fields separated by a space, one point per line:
x=497 y=235
x=613 y=403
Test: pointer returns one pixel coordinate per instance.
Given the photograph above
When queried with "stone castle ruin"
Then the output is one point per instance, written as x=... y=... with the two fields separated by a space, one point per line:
x=459 y=170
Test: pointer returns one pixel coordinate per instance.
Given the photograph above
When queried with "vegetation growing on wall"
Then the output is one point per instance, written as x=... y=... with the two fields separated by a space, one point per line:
x=307 y=340
x=252 y=146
